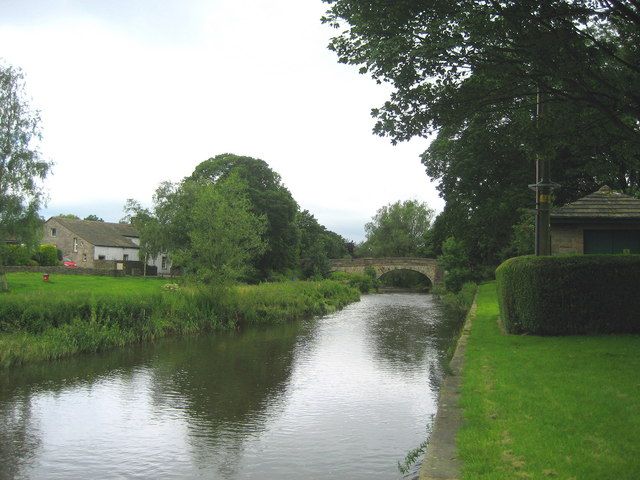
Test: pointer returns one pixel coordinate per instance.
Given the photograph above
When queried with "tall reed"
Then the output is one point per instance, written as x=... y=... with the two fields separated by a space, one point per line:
x=45 y=326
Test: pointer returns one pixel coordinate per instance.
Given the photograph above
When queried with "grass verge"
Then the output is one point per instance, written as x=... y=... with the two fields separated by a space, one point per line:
x=45 y=321
x=548 y=407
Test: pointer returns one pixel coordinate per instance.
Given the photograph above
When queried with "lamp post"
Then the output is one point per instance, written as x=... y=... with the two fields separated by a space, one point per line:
x=543 y=188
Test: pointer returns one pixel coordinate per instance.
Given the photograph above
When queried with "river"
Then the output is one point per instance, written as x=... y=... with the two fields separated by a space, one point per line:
x=344 y=396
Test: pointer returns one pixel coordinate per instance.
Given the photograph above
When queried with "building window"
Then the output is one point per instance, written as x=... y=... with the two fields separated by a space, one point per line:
x=75 y=245
x=84 y=257
x=101 y=257
x=125 y=257
x=54 y=232
x=164 y=262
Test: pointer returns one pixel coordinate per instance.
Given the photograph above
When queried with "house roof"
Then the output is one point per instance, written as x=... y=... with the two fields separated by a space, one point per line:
x=603 y=205
x=104 y=234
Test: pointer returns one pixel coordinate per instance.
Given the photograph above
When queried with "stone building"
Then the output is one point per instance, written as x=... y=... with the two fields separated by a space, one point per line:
x=98 y=244
x=603 y=222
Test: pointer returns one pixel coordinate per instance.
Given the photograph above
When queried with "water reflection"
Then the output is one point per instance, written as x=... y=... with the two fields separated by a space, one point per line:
x=229 y=393
x=345 y=396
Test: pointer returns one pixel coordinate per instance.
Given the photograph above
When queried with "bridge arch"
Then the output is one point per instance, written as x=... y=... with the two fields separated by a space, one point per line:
x=426 y=266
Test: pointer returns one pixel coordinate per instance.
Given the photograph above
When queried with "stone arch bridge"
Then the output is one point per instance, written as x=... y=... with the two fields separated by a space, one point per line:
x=427 y=266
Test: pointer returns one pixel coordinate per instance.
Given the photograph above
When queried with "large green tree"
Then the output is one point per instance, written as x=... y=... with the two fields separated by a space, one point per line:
x=399 y=229
x=269 y=198
x=448 y=57
x=209 y=230
x=21 y=165
x=470 y=71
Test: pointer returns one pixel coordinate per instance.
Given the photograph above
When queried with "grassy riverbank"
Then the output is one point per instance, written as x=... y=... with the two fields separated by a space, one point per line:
x=548 y=407
x=72 y=314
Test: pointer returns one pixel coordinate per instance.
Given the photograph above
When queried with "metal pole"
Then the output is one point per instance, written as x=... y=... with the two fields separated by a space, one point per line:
x=543 y=192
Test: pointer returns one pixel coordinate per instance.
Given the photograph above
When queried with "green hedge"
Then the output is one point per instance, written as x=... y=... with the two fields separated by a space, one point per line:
x=565 y=295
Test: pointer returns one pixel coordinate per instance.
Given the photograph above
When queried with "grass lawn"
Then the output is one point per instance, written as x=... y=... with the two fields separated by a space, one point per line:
x=548 y=407
x=32 y=284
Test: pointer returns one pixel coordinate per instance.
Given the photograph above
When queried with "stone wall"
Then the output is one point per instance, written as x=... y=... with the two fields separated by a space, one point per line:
x=566 y=239
x=58 y=270
x=64 y=242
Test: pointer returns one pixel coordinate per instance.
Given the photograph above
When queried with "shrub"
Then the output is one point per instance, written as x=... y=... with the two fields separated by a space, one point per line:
x=459 y=302
x=14 y=255
x=46 y=255
x=455 y=262
x=576 y=294
x=363 y=282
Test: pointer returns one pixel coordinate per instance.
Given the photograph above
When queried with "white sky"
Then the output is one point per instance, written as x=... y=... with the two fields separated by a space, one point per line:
x=135 y=92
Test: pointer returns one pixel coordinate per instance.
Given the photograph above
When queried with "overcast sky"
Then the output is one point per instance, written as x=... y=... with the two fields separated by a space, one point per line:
x=135 y=92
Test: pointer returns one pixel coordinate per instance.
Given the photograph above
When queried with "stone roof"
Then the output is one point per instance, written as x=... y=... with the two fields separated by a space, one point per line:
x=103 y=234
x=605 y=204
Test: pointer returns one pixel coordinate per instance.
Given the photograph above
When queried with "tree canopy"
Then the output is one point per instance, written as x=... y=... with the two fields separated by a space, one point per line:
x=399 y=229
x=268 y=198
x=209 y=230
x=445 y=58
x=470 y=72
x=21 y=165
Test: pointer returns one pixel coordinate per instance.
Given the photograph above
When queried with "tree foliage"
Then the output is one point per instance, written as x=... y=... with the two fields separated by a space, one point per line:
x=470 y=71
x=399 y=229
x=94 y=218
x=317 y=246
x=153 y=240
x=208 y=229
x=268 y=198
x=456 y=264
x=445 y=58
x=21 y=165
x=224 y=235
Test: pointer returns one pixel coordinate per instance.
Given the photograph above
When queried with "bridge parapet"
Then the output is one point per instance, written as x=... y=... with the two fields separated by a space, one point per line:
x=426 y=266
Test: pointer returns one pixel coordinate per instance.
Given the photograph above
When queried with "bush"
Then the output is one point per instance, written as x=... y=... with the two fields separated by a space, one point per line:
x=46 y=255
x=455 y=262
x=14 y=255
x=362 y=281
x=459 y=302
x=576 y=294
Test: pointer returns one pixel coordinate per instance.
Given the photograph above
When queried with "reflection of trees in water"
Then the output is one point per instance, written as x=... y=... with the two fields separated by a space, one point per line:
x=407 y=335
x=228 y=386
x=19 y=439
x=19 y=435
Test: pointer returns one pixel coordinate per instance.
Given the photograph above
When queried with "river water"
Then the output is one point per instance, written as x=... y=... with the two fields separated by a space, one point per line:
x=344 y=396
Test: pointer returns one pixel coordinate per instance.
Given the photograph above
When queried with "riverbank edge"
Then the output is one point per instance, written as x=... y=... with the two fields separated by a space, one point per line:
x=248 y=306
x=441 y=460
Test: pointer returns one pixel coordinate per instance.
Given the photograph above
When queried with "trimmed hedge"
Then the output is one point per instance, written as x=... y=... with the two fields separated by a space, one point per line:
x=574 y=294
